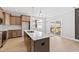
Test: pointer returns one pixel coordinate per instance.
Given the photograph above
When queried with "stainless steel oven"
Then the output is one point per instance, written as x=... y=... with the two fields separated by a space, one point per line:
x=3 y=38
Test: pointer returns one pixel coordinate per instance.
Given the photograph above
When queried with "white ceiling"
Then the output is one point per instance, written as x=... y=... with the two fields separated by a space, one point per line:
x=34 y=11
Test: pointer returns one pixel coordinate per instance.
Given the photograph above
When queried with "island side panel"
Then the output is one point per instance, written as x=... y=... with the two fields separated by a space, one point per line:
x=27 y=41
x=35 y=44
x=42 y=45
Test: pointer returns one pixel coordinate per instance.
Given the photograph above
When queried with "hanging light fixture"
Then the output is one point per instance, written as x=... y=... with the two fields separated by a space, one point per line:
x=40 y=13
x=35 y=20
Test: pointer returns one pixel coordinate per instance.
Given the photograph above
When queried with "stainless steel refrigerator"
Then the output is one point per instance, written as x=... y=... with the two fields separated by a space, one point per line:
x=25 y=26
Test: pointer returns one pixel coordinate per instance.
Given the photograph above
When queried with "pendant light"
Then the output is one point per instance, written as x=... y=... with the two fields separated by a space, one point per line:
x=40 y=13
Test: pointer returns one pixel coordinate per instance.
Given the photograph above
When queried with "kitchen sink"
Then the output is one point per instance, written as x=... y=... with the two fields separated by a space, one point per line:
x=30 y=31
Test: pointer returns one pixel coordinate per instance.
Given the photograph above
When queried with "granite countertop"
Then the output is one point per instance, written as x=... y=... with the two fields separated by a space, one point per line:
x=37 y=35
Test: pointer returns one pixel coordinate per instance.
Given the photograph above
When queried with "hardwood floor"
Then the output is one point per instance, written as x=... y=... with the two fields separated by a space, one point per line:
x=14 y=45
x=57 y=44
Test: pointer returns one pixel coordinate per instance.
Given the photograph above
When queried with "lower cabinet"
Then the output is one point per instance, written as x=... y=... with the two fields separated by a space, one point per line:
x=14 y=33
x=27 y=42
x=19 y=33
x=9 y=34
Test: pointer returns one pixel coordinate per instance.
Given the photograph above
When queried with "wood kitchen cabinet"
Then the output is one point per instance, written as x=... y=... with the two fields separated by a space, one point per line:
x=9 y=34
x=2 y=17
x=18 y=20
x=35 y=44
x=1 y=14
x=14 y=33
x=27 y=42
x=25 y=18
x=19 y=33
x=12 y=20
x=15 y=20
x=7 y=18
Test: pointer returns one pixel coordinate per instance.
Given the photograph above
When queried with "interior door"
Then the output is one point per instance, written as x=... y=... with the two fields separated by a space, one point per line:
x=77 y=24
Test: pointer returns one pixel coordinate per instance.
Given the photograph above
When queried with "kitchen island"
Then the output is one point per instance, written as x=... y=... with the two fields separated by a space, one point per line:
x=36 y=41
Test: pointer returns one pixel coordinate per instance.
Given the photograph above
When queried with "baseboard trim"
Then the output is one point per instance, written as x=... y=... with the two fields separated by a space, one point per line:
x=68 y=38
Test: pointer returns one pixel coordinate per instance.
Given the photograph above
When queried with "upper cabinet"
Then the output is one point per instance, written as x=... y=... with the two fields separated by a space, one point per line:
x=7 y=18
x=18 y=20
x=15 y=20
x=25 y=18
x=1 y=14
x=1 y=17
x=12 y=20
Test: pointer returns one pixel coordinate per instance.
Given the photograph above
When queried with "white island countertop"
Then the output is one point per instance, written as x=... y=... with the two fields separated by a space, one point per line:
x=37 y=35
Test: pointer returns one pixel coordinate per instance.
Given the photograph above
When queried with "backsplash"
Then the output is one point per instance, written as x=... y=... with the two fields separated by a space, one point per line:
x=9 y=27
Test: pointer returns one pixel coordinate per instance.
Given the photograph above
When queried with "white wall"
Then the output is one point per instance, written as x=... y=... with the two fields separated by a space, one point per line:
x=68 y=23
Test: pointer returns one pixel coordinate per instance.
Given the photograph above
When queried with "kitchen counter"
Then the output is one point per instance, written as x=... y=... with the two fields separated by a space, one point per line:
x=37 y=35
x=36 y=41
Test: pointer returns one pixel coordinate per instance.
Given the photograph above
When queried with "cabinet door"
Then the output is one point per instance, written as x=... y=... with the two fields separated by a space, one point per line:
x=27 y=42
x=25 y=18
x=14 y=33
x=18 y=20
x=7 y=18
x=9 y=34
x=1 y=14
x=19 y=33
x=13 y=20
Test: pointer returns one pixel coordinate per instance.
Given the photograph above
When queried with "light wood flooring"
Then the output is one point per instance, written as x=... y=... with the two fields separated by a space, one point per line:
x=57 y=44
x=14 y=45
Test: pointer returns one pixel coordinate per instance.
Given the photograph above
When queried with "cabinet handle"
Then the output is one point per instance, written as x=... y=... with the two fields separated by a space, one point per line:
x=43 y=43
